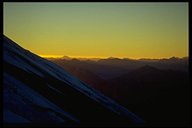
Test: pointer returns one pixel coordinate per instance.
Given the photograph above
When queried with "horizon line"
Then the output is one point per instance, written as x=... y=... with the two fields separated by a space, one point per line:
x=97 y=57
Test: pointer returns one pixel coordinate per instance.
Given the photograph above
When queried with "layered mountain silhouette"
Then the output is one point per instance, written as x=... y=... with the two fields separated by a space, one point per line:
x=36 y=90
x=156 y=89
x=114 y=67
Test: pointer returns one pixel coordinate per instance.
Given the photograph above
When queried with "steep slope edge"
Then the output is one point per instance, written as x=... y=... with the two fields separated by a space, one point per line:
x=37 y=90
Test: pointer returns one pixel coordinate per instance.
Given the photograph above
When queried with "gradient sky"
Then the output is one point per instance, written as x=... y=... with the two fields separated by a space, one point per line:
x=133 y=30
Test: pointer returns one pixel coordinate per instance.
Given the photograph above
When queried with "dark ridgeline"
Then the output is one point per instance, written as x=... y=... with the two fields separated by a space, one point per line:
x=156 y=89
x=37 y=91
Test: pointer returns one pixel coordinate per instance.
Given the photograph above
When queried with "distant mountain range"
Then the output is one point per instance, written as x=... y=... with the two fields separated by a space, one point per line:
x=156 y=89
x=37 y=91
x=114 y=67
x=115 y=58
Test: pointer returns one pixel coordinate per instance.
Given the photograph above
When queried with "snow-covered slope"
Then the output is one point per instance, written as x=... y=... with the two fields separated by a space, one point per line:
x=37 y=90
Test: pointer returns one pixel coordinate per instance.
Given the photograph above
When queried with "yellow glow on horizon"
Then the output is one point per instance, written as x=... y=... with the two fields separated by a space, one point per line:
x=60 y=56
x=105 y=57
x=99 y=30
x=50 y=56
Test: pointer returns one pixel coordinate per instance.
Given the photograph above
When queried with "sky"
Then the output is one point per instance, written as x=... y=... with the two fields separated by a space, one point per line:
x=124 y=30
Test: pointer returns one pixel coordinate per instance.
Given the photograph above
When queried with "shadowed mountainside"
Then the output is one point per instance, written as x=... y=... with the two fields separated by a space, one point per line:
x=38 y=91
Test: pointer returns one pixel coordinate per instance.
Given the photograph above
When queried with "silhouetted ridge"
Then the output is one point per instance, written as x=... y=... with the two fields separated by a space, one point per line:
x=39 y=91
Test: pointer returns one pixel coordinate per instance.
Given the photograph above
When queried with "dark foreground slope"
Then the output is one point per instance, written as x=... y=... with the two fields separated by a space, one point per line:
x=37 y=91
